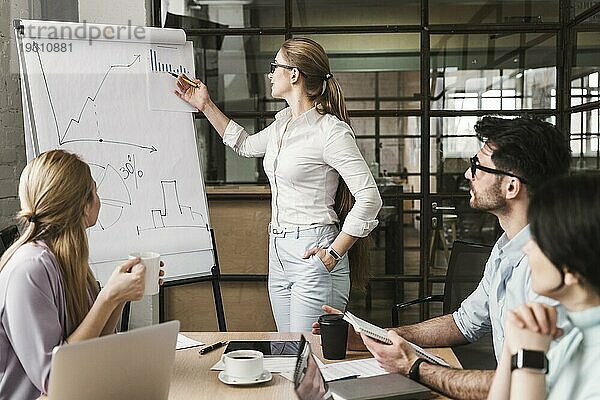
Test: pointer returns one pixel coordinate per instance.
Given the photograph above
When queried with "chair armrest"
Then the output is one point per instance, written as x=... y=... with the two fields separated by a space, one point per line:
x=396 y=308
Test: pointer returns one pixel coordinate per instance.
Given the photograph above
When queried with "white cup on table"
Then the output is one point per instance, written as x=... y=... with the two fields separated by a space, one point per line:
x=151 y=261
x=243 y=365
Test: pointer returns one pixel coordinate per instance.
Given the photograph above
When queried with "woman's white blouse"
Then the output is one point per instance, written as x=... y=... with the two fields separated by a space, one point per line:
x=303 y=160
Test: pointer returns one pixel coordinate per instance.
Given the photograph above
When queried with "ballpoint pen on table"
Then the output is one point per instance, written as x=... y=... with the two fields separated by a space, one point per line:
x=185 y=78
x=213 y=347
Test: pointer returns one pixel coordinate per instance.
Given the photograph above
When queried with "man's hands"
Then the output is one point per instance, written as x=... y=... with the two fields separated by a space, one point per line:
x=354 y=342
x=531 y=326
x=397 y=357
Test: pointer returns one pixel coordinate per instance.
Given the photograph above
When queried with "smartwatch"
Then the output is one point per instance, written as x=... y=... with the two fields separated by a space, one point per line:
x=336 y=256
x=413 y=373
x=533 y=360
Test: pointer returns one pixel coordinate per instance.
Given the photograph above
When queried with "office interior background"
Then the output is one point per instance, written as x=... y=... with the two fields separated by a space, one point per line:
x=416 y=74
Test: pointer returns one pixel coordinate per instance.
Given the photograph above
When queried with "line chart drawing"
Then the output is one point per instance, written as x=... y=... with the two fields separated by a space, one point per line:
x=63 y=137
x=114 y=195
x=173 y=214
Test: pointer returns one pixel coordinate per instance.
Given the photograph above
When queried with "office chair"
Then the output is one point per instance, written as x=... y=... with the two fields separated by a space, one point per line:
x=8 y=236
x=465 y=269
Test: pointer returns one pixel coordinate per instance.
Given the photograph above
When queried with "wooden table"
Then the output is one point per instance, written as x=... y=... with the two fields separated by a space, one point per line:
x=193 y=379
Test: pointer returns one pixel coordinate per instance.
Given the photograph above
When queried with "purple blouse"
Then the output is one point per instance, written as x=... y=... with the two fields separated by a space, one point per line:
x=33 y=320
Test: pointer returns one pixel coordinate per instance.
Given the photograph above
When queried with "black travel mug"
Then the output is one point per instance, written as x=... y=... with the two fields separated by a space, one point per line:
x=334 y=335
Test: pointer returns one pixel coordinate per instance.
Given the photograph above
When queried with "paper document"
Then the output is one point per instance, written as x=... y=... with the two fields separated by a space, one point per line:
x=271 y=364
x=183 y=342
x=381 y=334
x=343 y=369
x=362 y=368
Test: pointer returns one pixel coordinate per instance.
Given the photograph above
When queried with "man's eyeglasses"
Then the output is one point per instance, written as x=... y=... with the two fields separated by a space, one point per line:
x=475 y=166
x=274 y=66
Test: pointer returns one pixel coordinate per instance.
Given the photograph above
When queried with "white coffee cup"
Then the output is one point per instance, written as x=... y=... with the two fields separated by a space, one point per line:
x=151 y=261
x=243 y=364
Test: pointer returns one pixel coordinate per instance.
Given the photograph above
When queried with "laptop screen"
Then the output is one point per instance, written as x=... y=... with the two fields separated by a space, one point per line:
x=309 y=383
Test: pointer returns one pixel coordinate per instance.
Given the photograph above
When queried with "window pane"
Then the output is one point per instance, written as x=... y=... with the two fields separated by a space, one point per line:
x=523 y=12
x=363 y=126
x=355 y=12
x=233 y=168
x=399 y=161
x=375 y=68
x=577 y=7
x=585 y=133
x=585 y=73
x=493 y=72
x=453 y=142
x=226 y=14
x=236 y=70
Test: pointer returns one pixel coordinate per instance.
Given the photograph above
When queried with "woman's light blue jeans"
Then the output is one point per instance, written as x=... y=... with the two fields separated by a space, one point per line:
x=299 y=287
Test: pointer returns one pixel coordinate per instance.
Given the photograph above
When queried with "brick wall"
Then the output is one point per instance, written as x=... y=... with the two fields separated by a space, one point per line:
x=12 y=144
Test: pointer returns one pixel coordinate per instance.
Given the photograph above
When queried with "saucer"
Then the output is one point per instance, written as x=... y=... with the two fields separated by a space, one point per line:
x=264 y=377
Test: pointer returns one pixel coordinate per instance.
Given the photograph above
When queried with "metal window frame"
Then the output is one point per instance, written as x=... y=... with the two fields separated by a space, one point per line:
x=565 y=30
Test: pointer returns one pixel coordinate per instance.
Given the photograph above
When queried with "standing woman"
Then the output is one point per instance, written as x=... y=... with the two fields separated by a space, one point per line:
x=48 y=293
x=307 y=149
x=565 y=264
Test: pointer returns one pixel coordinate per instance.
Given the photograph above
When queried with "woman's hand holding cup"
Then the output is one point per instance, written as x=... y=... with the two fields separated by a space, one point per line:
x=126 y=283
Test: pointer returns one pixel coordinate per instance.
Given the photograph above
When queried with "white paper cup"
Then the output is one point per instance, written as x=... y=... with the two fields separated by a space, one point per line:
x=243 y=364
x=151 y=261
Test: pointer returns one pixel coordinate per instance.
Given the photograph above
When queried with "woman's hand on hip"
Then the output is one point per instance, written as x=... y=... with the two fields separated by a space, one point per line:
x=325 y=257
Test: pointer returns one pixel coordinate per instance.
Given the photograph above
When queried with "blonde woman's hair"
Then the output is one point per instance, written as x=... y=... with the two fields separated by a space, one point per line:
x=324 y=90
x=54 y=190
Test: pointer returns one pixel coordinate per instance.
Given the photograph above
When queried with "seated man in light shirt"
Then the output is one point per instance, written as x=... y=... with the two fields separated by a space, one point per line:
x=518 y=155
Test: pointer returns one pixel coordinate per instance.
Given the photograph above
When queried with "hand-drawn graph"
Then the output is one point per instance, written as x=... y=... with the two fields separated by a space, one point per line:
x=114 y=195
x=173 y=214
x=66 y=136
x=94 y=101
x=161 y=61
x=130 y=169
x=157 y=66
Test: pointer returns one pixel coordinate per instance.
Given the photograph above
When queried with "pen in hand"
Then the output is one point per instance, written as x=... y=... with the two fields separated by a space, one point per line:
x=213 y=347
x=185 y=79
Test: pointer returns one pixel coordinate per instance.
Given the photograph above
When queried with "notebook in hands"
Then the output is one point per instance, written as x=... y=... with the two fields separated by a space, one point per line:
x=375 y=332
x=309 y=383
x=131 y=365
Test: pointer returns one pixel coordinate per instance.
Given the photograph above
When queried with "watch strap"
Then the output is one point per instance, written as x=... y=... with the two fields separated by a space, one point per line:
x=336 y=256
x=533 y=360
x=413 y=372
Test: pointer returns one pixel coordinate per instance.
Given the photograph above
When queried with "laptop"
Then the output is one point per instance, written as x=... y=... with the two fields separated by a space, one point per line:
x=309 y=383
x=131 y=365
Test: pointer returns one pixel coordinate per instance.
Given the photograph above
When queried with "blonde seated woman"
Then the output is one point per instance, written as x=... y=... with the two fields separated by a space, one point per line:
x=48 y=293
x=565 y=264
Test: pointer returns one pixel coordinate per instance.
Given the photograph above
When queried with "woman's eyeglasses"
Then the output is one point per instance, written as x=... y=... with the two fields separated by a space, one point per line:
x=475 y=166
x=274 y=66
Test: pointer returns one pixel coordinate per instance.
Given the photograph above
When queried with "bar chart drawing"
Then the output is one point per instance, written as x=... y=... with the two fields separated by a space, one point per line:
x=158 y=66
x=162 y=62
x=173 y=214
